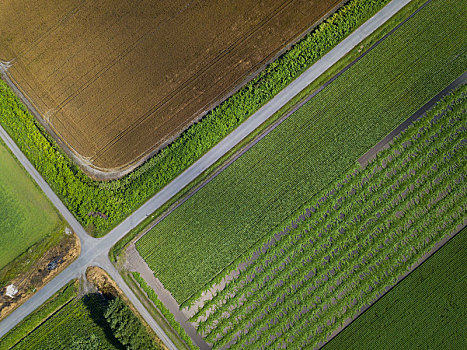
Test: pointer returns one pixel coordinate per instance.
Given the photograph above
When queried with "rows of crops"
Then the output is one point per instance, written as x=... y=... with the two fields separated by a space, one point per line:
x=414 y=315
x=350 y=242
x=117 y=199
x=81 y=322
x=308 y=150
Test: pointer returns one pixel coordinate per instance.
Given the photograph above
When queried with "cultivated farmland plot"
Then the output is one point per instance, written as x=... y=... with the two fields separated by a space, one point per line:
x=428 y=307
x=353 y=239
x=309 y=150
x=106 y=74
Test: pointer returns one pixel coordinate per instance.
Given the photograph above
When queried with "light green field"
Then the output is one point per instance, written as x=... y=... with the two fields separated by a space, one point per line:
x=26 y=215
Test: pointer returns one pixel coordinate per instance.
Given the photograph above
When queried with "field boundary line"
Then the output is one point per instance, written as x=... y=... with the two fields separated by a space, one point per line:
x=371 y=154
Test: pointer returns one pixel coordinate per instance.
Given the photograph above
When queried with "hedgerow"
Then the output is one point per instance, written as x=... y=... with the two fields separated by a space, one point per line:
x=117 y=199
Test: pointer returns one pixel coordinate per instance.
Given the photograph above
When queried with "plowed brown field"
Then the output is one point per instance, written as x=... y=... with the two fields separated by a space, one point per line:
x=117 y=80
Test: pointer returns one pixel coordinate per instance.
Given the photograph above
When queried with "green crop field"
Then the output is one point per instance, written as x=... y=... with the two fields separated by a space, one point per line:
x=80 y=322
x=27 y=216
x=427 y=309
x=70 y=320
x=308 y=150
x=349 y=243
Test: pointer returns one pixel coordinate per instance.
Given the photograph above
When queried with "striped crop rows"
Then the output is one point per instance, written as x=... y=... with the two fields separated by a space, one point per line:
x=351 y=241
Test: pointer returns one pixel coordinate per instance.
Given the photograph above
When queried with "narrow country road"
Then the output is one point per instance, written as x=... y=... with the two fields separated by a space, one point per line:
x=94 y=251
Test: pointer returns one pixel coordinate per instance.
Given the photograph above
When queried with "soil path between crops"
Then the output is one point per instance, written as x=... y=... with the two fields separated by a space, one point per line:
x=95 y=251
x=134 y=262
x=424 y=258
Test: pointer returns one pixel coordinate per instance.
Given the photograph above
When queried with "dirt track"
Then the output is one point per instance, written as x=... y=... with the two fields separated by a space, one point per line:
x=115 y=81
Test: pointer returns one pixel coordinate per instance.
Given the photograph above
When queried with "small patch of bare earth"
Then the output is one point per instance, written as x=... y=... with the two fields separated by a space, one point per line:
x=64 y=253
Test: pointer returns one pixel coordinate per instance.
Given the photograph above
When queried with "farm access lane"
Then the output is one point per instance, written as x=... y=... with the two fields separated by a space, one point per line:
x=95 y=251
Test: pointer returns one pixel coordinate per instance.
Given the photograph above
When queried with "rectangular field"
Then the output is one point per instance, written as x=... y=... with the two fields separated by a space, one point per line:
x=307 y=151
x=26 y=215
x=428 y=307
x=348 y=244
x=116 y=81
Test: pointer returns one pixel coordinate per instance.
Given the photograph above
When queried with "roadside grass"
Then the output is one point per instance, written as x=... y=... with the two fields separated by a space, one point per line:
x=307 y=151
x=29 y=223
x=425 y=309
x=119 y=247
x=169 y=317
x=155 y=312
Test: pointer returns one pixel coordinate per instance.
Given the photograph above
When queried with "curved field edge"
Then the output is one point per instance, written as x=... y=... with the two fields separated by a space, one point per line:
x=305 y=152
x=426 y=307
x=99 y=206
x=320 y=261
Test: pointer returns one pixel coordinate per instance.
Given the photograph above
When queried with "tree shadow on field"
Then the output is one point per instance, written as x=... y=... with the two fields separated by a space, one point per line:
x=96 y=304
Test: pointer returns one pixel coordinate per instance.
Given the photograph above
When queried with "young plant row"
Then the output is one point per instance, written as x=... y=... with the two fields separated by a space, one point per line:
x=285 y=243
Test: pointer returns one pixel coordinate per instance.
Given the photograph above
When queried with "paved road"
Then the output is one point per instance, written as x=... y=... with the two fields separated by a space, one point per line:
x=95 y=251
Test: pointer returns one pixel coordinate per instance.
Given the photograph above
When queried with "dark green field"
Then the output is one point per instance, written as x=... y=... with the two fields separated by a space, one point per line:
x=427 y=310
x=310 y=149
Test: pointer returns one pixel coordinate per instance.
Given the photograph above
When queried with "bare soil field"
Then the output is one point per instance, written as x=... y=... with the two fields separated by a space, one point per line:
x=116 y=81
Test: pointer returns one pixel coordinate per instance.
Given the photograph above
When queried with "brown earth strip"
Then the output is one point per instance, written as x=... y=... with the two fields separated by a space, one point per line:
x=38 y=275
x=105 y=285
x=134 y=262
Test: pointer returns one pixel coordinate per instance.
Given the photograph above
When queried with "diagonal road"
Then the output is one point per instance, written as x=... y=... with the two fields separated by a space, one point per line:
x=94 y=251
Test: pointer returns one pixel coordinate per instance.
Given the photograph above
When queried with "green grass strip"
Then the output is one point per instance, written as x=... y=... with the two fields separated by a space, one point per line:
x=117 y=199
x=167 y=314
